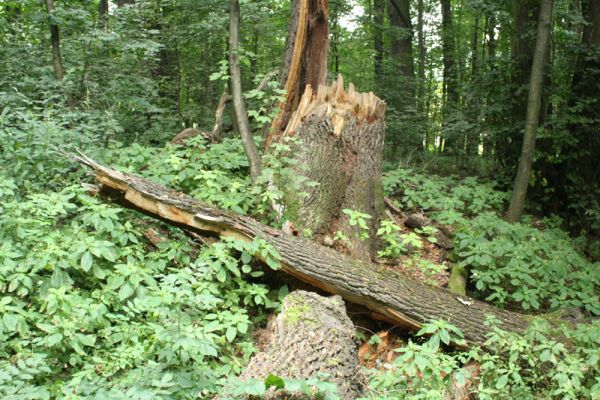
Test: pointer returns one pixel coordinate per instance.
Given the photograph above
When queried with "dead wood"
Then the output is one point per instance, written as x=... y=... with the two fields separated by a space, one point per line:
x=389 y=296
x=311 y=335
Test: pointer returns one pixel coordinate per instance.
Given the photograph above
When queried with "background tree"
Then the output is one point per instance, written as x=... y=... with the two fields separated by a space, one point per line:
x=534 y=105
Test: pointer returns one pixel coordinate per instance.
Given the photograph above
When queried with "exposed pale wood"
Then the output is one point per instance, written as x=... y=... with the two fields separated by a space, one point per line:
x=390 y=297
x=305 y=61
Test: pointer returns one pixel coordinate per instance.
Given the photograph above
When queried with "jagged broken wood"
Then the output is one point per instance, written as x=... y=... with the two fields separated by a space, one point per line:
x=390 y=297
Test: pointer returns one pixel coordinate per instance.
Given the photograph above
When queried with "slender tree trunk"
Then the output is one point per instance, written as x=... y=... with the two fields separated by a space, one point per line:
x=103 y=13
x=305 y=60
x=378 y=15
x=59 y=72
x=450 y=101
x=491 y=37
x=524 y=13
x=235 y=83
x=421 y=103
x=472 y=135
x=534 y=104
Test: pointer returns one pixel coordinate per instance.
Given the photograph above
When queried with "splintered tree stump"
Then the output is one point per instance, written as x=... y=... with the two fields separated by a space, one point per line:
x=341 y=136
x=311 y=335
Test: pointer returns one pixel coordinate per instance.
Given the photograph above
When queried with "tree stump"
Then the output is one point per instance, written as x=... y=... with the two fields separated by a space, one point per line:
x=311 y=335
x=341 y=136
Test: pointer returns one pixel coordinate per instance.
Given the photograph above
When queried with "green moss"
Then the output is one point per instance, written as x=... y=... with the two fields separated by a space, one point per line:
x=458 y=280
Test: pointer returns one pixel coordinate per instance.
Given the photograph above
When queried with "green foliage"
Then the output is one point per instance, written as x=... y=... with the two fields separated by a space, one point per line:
x=449 y=199
x=315 y=388
x=358 y=219
x=516 y=264
x=535 y=366
x=421 y=371
x=89 y=307
x=397 y=243
x=513 y=366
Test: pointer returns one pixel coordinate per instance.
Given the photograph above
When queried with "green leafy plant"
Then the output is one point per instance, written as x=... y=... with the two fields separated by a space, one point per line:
x=359 y=220
x=516 y=264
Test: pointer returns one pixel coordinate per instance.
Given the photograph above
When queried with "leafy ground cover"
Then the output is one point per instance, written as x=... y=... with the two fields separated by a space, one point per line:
x=94 y=307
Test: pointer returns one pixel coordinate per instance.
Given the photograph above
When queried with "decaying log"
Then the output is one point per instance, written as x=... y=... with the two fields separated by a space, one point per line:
x=419 y=221
x=341 y=136
x=311 y=335
x=391 y=297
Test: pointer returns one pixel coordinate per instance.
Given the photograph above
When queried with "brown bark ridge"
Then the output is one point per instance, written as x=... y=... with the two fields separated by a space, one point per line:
x=305 y=60
x=341 y=136
x=390 y=296
x=311 y=335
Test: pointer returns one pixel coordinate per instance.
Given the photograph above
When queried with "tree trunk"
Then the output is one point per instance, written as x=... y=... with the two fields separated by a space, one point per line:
x=235 y=84
x=534 y=105
x=390 y=296
x=378 y=16
x=449 y=73
x=59 y=72
x=311 y=335
x=305 y=61
x=524 y=13
x=422 y=53
x=103 y=13
x=341 y=134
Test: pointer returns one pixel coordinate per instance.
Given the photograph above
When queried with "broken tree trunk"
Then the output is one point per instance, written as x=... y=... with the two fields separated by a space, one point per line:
x=311 y=335
x=341 y=136
x=391 y=297
x=305 y=60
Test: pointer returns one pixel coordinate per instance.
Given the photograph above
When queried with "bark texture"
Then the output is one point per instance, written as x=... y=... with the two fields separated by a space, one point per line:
x=534 y=105
x=305 y=61
x=342 y=134
x=390 y=296
x=311 y=335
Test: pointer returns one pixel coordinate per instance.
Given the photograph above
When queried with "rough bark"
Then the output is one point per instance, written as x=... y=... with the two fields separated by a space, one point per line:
x=311 y=335
x=235 y=84
x=305 y=61
x=341 y=136
x=59 y=72
x=390 y=296
x=534 y=105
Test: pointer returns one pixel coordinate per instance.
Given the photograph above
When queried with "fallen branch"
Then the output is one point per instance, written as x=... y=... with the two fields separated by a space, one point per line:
x=390 y=296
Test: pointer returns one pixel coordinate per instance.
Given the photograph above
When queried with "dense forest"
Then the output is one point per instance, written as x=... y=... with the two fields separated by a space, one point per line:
x=300 y=199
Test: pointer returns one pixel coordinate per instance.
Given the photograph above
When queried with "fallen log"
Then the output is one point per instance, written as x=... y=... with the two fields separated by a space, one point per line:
x=390 y=296
x=312 y=335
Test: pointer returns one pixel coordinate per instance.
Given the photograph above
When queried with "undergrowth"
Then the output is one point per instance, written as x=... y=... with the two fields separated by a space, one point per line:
x=91 y=308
